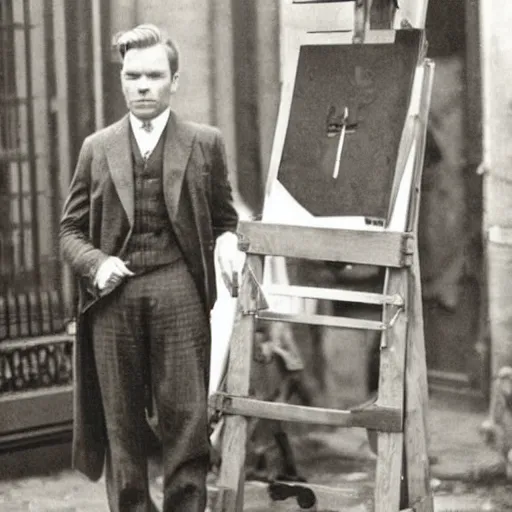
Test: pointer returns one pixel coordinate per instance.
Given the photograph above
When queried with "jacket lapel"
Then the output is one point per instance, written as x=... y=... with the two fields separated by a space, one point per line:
x=118 y=151
x=178 y=145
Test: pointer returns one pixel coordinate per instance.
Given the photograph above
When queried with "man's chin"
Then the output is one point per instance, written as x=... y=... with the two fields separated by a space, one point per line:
x=143 y=115
x=144 y=112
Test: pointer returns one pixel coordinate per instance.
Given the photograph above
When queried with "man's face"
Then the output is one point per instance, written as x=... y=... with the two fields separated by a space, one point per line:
x=146 y=81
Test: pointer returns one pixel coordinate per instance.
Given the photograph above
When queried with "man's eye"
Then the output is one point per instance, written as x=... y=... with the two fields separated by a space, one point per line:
x=131 y=76
x=155 y=76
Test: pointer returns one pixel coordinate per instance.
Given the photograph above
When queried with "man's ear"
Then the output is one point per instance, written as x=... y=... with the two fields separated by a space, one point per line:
x=175 y=81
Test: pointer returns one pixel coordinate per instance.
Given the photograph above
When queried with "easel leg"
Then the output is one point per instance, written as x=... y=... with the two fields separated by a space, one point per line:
x=416 y=404
x=391 y=393
x=234 y=444
x=389 y=469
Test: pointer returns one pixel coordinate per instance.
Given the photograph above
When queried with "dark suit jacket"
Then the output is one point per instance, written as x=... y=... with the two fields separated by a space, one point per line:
x=97 y=221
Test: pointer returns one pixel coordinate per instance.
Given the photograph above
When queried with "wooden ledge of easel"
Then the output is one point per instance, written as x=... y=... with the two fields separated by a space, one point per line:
x=374 y=417
x=381 y=248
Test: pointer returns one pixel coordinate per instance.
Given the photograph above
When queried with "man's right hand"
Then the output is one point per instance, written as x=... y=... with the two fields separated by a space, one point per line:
x=110 y=273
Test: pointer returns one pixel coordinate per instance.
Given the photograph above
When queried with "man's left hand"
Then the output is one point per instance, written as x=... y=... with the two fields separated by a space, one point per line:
x=231 y=260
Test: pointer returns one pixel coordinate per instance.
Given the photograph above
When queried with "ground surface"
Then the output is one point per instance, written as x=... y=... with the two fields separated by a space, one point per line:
x=466 y=476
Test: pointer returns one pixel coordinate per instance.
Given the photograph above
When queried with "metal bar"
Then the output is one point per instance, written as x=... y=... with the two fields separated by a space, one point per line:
x=14 y=146
x=6 y=79
x=333 y=294
x=330 y=321
x=23 y=343
x=31 y=146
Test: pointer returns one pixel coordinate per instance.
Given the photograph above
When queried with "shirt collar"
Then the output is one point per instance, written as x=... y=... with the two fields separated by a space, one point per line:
x=159 y=122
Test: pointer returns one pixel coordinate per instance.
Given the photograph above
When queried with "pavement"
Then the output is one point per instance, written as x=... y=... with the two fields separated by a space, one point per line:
x=467 y=476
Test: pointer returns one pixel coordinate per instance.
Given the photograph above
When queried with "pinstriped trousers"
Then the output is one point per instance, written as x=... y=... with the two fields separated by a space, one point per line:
x=152 y=333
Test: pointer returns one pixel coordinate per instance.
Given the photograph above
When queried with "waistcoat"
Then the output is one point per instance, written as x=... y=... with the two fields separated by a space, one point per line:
x=153 y=242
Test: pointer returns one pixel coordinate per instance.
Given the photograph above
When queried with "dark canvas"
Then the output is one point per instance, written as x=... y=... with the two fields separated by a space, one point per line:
x=374 y=82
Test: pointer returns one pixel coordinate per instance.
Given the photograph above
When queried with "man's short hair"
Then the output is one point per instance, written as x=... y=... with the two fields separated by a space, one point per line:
x=145 y=36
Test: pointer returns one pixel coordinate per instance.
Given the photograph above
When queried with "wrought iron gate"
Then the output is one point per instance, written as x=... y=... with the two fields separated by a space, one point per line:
x=30 y=284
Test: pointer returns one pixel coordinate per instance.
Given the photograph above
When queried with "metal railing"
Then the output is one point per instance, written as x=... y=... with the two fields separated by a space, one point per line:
x=30 y=297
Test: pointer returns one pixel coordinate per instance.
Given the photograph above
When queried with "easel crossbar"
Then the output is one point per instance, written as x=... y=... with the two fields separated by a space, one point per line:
x=381 y=248
x=384 y=419
x=334 y=294
x=345 y=496
x=325 y=320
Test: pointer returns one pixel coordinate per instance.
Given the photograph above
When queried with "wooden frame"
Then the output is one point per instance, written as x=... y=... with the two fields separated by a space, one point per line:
x=275 y=189
x=402 y=382
x=372 y=37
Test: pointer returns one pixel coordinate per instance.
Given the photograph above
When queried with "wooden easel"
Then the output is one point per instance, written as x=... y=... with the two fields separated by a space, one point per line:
x=398 y=416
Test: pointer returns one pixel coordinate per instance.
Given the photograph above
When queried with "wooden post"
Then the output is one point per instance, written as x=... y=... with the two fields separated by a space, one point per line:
x=231 y=478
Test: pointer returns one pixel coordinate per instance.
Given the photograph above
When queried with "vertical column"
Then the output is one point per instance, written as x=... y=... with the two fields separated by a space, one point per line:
x=44 y=221
x=480 y=355
x=60 y=107
x=222 y=91
x=246 y=102
x=496 y=47
x=268 y=84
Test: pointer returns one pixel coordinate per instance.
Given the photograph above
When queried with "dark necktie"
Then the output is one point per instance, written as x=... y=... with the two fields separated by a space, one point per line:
x=147 y=126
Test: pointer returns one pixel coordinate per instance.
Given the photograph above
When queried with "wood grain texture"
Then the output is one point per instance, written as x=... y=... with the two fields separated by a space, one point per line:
x=381 y=248
x=325 y=320
x=416 y=396
x=373 y=417
x=416 y=433
x=332 y=294
x=391 y=394
x=397 y=426
x=235 y=428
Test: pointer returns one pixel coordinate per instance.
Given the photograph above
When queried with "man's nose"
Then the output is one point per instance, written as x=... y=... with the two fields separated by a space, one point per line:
x=142 y=85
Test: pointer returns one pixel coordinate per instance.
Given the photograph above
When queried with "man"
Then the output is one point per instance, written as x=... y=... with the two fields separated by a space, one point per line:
x=148 y=200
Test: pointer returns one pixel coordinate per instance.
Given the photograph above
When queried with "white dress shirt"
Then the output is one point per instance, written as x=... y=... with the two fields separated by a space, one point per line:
x=147 y=141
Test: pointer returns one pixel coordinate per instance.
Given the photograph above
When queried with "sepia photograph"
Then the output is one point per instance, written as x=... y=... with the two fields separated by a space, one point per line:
x=255 y=256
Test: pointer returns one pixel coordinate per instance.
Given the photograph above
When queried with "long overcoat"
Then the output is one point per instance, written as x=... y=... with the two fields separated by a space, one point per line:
x=97 y=221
